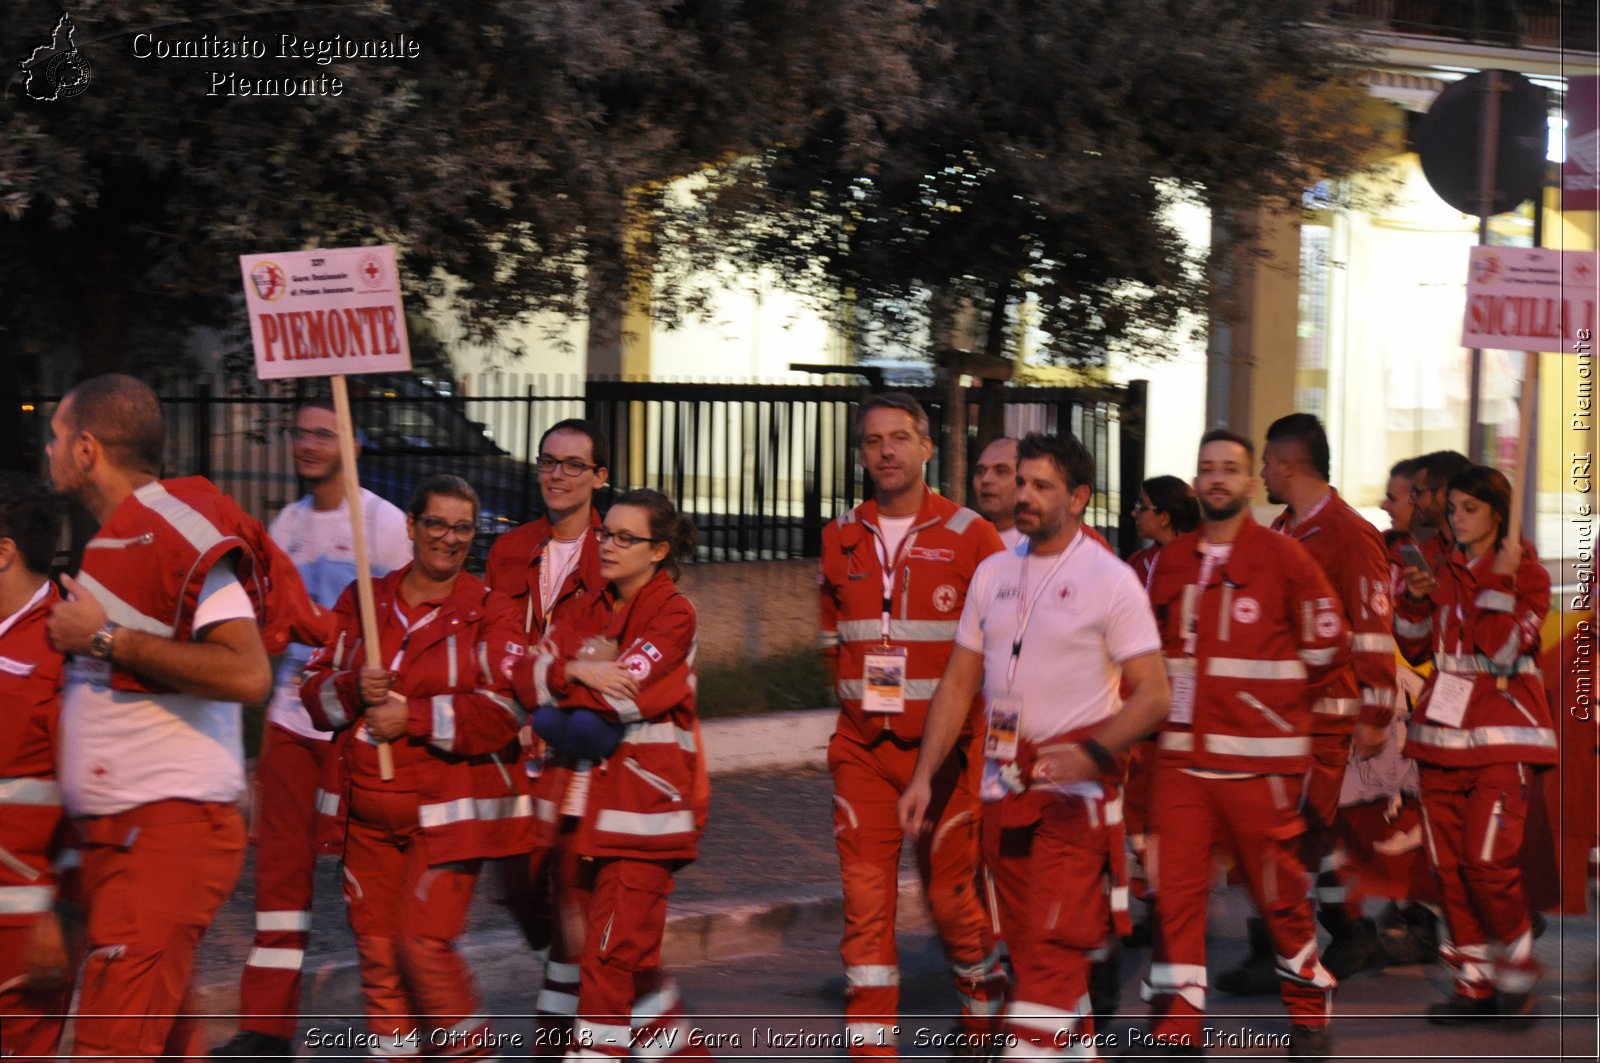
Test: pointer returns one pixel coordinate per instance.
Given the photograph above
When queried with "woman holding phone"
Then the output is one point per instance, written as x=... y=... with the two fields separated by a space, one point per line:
x=624 y=796
x=413 y=844
x=1480 y=729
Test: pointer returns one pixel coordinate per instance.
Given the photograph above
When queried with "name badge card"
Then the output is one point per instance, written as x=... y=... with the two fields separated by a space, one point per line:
x=884 y=689
x=1448 y=702
x=1005 y=723
x=1181 y=675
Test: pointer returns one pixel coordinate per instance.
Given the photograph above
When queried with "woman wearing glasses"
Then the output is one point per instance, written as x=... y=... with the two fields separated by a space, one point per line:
x=626 y=787
x=1166 y=509
x=413 y=844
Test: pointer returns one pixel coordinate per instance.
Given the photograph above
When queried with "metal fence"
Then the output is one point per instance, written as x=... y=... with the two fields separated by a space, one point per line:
x=760 y=467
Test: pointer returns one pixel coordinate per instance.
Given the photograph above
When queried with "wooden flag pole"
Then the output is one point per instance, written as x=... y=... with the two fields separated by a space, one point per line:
x=358 y=533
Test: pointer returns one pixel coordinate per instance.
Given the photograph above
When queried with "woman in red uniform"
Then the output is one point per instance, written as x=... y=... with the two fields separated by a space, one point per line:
x=1480 y=729
x=626 y=790
x=1166 y=509
x=413 y=844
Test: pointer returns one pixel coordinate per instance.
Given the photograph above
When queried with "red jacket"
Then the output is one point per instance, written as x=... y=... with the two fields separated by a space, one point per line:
x=462 y=717
x=936 y=563
x=1484 y=627
x=31 y=821
x=1351 y=552
x=513 y=570
x=1143 y=560
x=649 y=799
x=1266 y=628
x=148 y=562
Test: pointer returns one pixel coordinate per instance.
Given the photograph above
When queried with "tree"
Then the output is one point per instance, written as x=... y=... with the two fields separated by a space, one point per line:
x=507 y=160
x=1041 y=164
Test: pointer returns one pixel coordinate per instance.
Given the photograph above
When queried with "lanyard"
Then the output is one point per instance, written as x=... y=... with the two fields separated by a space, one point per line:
x=1191 y=601
x=1025 y=604
x=549 y=592
x=1300 y=522
x=411 y=629
x=888 y=574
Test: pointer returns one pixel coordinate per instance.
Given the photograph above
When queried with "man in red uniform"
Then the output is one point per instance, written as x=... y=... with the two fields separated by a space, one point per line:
x=1248 y=624
x=1429 y=527
x=161 y=625
x=550 y=567
x=315 y=533
x=895 y=571
x=35 y=974
x=1050 y=632
x=1355 y=704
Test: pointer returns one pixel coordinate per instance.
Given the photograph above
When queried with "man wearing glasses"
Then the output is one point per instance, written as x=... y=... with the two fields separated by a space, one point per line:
x=316 y=534
x=549 y=567
x=1428 y=524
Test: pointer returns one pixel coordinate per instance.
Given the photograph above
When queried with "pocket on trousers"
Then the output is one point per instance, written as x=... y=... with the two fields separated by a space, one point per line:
x=629 y=931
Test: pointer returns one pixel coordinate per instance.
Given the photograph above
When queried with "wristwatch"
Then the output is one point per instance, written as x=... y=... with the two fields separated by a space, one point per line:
x=100 y=641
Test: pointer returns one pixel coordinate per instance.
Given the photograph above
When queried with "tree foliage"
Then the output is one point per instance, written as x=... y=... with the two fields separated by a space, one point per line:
x=1050 y=143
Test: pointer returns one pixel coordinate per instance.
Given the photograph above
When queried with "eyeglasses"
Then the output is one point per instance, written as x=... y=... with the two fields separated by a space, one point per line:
x=622 y=539
x=315 y=435
x=437 y=528
x=1418 y=490
x=570 y=466
x=1140 y=507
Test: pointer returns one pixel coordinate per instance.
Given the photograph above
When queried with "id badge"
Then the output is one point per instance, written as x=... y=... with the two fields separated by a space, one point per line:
x=1181 y=675
x=1448 y=702
x=1005 y=723
x=576 y=799
x=884 y=689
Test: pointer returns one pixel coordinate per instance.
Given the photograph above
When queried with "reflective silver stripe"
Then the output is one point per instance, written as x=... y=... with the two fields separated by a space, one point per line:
x=653 y=1006
x=1506 y=655
x=555 y=971
x=915 y=689
x=29 y=792
x=1383 y=699
x=1184 y=980
x=662 y=733
x=513 y=709
x=332 y=707
x=283 y=920
x=599 y=1033
x=1413 y=629
x=327 y=804
x=1495 y=601
x=201 y=533
x=827 y=640
x=1474 y=663
x=465 y=809
x=1041 y=1017
x=1480 y=737
x=553 y=1002
x=872 y=974
x=899 y=630
x=982 y=969
x=338 y=652
x=452 y=669
x=1320 y=658
x=1177 y=741
x=961 y=520
x=121 y=612
x=444 y=721
x=545 y=810
x=645 y=824
x=1369 y=643
x=1243 y=746
x=26 y=900
x=1337 y=707
x=627 y=708
x=1245 y=668
x=279 y=959
x=541 y=680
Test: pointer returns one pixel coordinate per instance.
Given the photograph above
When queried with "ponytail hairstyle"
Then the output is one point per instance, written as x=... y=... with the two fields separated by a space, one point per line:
x=667 y=525
x=1172 y=496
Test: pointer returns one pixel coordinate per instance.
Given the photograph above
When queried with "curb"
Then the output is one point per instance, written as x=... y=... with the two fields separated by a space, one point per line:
x=695 y=933
x=771 y=741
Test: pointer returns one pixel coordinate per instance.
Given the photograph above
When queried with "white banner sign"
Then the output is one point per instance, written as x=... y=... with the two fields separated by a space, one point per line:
x=1529 y=298
x=326 y=313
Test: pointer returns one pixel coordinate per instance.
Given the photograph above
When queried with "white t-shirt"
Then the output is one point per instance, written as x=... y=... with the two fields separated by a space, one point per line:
x=894 y=531
x=1090 y=617
x=1012 y=537
x=560 y=558
x=123 y=748
x=320 y=544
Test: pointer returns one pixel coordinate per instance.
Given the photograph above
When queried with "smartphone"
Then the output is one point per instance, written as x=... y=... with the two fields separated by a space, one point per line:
x=1413 y=559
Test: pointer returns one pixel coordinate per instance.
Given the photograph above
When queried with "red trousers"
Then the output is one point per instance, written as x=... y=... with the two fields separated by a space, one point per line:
x=1257 y=821
x=1136 y=809
x=406 y=913
x=284 y=829
x=867 y=783
x=626 y=1003
x=153 y=878
x=1050 y=877
x=1473 y=821
x=1330 y=758
x=30 y=1019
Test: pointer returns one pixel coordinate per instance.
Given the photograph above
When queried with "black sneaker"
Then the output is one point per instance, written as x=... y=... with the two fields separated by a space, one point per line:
x=1411 y=937
x=1354 y=948
x=249 y=1044
x=1105 y=987
x=1257 y=976
x=1310 y=1042
x=1459 y=1010
x=1516 y=1009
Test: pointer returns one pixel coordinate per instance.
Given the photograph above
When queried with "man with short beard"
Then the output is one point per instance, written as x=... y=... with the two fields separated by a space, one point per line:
x=1248 y=622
